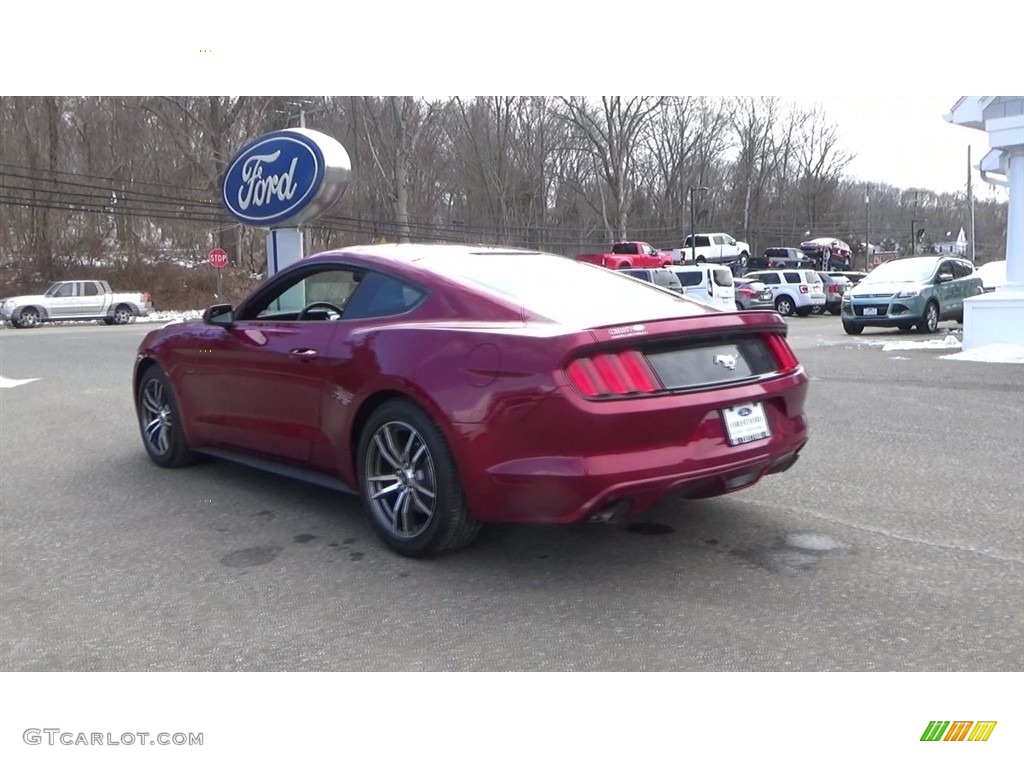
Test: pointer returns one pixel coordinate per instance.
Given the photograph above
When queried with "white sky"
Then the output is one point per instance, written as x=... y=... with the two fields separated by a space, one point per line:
x=787 y=47
x=904 y=141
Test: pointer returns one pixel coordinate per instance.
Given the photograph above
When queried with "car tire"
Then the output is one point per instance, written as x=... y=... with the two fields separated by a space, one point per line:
x=160 y=420
x=700 y=260
x=739 y=307
x=854 y=329
x=108 y=321
x=929 y=323
x=122 y=314
x=28 y=318
x=805 y=312
x=408 y=478
x=836 y=311
x=784 y=306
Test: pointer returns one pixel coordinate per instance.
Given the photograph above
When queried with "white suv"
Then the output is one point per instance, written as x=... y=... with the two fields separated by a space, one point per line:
x=796 y=291
x=708 y=284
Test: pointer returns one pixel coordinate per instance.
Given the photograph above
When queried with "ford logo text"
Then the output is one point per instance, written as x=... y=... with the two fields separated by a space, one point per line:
x=285 y=178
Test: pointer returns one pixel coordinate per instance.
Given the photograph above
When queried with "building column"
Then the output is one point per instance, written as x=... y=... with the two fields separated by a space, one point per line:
x=1015 y=222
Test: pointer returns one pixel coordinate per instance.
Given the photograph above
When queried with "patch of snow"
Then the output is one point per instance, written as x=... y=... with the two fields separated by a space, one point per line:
x=169 y=315
x=897 y=357
x=947 y=343
x=991 y=353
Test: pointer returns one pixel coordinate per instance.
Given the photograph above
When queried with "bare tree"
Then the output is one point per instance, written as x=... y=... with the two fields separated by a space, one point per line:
x=754 y=122
x=392 y=127
x=821 y=161
x=613 y=132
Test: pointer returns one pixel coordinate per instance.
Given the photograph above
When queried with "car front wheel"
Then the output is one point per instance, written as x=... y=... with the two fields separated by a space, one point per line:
x=930 y=321
x=160 y=421
x=29 y=318
x=409 y=483
x=854 y=329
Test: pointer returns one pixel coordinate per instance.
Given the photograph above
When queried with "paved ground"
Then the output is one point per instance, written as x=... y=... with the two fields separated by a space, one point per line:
x=895 y=543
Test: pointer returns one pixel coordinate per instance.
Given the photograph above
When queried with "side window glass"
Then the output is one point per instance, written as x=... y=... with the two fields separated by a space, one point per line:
x=65 y=291
x=331 y=286
x=380 y=295
x=689 y=278
x=90 y=289
x=792 y=277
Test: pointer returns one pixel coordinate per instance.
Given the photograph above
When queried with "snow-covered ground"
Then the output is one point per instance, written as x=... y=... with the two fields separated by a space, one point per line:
x=991 y=353
x=167 y=315
x=898 y=346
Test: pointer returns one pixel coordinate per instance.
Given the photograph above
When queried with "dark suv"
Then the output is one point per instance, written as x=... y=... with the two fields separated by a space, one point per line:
x=781 y=258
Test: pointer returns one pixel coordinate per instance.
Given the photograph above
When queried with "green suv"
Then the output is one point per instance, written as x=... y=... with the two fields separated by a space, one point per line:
x=920 y=291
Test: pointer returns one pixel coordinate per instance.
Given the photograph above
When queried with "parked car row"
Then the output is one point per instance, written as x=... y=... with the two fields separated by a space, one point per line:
x=707 y=283
x=795 y=291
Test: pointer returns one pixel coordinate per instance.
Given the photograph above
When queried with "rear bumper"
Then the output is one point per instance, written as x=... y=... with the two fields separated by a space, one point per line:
x=681 y=450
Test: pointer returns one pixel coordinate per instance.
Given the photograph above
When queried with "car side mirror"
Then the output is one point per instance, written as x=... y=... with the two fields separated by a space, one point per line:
x=945 y=277
x=219 y=314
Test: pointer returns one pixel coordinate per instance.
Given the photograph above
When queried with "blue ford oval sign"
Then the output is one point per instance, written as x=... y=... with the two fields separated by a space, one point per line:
x=285 y=178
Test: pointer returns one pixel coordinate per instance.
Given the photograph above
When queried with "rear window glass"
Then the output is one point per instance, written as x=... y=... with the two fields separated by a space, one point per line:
x=690 y=278
x=558 y=288
x=723 y=277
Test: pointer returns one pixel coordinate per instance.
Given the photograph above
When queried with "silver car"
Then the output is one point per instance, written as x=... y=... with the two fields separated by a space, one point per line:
x=753 y=294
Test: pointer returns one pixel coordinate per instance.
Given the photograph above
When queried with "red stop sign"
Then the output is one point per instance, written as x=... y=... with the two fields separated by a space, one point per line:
x=218 y=258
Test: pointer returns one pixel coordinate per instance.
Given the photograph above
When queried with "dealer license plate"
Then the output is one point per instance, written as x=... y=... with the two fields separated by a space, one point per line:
x=746 y=423
x=870 y=310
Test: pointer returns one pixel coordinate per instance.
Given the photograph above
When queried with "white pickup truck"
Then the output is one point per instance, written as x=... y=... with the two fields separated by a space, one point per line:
x=712 y=247
x=75 y=300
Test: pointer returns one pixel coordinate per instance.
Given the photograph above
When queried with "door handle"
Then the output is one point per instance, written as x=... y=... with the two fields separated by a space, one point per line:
x=305 y=354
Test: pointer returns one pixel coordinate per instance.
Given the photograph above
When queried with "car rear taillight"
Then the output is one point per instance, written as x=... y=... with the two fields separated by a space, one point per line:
x=748 y=292
x=617 y=373
x=781 y=349
x=833 y=288
x=805 y=289
x=147 y=298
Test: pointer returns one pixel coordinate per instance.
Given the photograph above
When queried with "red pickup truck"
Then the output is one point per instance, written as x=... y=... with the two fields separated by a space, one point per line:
x=628 y=255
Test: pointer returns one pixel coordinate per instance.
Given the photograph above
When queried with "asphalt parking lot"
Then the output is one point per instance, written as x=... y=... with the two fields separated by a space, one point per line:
x=895 y=543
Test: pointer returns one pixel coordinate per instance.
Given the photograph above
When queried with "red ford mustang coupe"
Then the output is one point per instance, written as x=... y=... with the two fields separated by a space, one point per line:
x=455 y=385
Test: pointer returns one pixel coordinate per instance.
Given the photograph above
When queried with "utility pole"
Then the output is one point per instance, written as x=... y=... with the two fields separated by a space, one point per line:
x=970 y=202
x=867 y=229
x=693 y=224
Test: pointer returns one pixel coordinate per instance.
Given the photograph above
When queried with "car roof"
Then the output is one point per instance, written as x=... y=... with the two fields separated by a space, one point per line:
x=436 y=265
